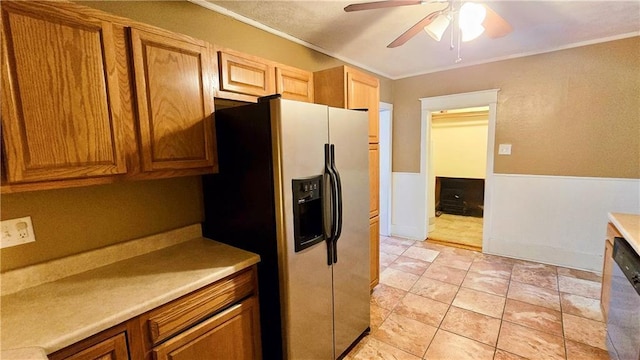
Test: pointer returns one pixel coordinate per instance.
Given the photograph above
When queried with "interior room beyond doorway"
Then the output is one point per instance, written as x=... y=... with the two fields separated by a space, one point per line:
x=458 y=161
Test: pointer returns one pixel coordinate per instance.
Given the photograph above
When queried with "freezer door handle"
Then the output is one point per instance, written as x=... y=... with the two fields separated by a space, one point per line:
x=338 y=207
x=331 y=222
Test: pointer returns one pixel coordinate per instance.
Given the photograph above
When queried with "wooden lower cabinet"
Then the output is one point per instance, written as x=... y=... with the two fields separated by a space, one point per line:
x=374 y=236
x=230 y=335
x=114 y=348
x=218 y=321
x=111 y=344
x=607 y=269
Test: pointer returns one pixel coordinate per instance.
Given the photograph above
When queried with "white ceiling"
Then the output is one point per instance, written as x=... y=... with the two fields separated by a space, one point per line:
x=361 y=38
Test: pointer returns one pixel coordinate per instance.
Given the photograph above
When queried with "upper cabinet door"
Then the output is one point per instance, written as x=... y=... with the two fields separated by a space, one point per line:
x=294 y=84
x=246 y=74
x=363 y=93
x=174 y=90
x=61 y=115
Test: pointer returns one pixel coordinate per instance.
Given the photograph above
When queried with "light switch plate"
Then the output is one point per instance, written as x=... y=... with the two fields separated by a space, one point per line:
x=16 y=231
x=504 y=149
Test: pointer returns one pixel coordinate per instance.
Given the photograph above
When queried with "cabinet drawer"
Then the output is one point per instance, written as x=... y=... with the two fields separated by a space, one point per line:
x=112 y=348
x=174 y=317
x=233 y=334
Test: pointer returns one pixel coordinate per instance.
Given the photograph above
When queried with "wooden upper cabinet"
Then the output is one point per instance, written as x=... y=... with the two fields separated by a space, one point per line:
x=363 y=93
x=174 y=92
x=294 y=84
x=61 y=112
x=246 y=74
x=246 y=77
x=349 y=88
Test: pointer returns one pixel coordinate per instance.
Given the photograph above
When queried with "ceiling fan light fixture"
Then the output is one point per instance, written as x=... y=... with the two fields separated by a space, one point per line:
x=471 y=32
x=437 y=27
x=470 y=20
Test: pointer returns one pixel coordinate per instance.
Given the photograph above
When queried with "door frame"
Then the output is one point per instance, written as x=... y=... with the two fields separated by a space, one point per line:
x=449 y=102
x=386 y=193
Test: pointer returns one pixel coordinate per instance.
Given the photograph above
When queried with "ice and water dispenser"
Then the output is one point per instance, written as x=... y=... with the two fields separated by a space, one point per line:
x=307 y=212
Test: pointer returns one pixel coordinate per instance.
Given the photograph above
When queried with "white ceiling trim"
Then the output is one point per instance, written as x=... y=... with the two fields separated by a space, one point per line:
x=243 y=19
x=246 y=20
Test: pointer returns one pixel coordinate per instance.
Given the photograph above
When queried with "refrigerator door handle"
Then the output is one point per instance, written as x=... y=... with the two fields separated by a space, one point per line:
x=330 y=223
x=338 y=232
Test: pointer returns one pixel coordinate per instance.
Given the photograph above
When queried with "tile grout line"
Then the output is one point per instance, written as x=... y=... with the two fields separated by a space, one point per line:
x=564 y=338
x=445 y=314
x=506 y=297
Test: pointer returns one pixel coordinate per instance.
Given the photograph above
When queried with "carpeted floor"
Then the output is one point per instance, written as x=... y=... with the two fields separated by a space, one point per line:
x=457 y=229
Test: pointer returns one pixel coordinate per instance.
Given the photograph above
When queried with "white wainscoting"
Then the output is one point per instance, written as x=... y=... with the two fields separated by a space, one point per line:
x=555 y=219
x=408 y=217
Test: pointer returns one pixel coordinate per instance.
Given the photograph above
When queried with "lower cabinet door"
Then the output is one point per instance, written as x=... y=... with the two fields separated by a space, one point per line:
x=607 y=270
x=233 y=334
x=374 y=238
x=113 y=348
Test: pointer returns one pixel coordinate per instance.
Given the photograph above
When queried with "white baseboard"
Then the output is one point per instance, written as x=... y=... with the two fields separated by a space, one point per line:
x=407 y=232
x=548 y=255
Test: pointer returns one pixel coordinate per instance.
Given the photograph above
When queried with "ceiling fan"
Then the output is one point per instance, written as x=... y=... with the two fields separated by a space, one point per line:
x=472 y=19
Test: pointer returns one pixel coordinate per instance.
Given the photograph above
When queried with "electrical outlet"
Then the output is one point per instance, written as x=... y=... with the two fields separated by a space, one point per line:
x=16 y=232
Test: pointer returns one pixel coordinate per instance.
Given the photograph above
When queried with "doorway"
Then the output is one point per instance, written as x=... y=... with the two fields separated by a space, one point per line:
x=385 y=136
x=426 y=208
x=458 y=157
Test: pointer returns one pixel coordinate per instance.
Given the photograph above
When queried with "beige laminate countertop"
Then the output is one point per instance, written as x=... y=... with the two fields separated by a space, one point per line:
x=57 y=314
x=629 y=227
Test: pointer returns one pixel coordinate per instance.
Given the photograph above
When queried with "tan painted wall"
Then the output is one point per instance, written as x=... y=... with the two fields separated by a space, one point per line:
x=70 y=221
x=574 y=112
x=74 y=220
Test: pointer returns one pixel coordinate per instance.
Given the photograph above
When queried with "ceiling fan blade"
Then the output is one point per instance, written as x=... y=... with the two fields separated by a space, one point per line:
x=414 y=29
x=380 y=5
x=494 y=25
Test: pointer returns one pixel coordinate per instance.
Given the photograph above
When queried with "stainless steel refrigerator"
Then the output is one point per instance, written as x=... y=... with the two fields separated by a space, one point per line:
x=294 y=187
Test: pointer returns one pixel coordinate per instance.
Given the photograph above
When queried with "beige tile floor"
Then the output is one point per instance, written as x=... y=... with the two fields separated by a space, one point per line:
x=438 y=302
